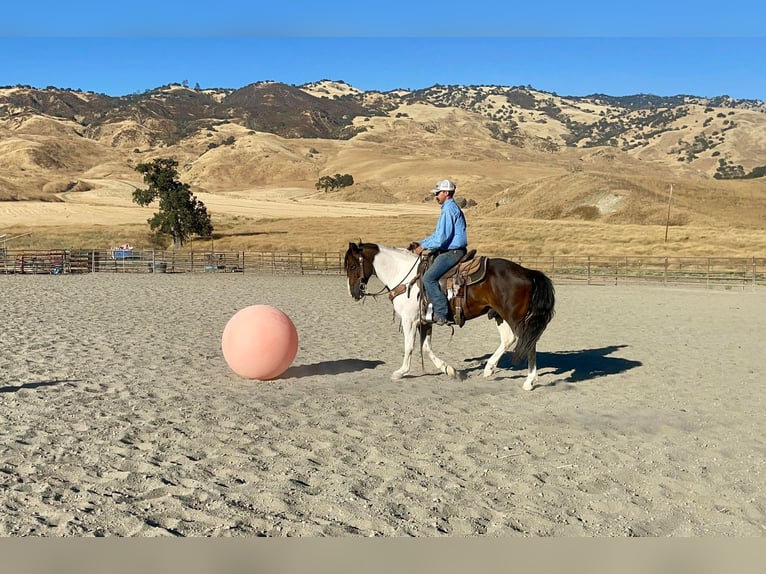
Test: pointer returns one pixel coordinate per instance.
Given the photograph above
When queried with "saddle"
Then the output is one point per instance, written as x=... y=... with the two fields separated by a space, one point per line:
x=454 y=283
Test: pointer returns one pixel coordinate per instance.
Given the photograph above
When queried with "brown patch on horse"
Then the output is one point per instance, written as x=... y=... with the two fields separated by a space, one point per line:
x=357 y=262
x=510 y=303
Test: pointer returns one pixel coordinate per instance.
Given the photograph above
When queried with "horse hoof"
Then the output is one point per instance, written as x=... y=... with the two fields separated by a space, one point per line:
x=396 y=376
x=528 y=386
x=452 y=372
x=488 y=373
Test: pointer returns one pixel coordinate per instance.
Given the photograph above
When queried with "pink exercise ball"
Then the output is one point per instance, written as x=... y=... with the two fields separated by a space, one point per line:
x=259 y=342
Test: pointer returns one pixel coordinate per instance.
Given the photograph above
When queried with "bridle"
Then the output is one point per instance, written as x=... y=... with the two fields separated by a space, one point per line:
x=363 y=282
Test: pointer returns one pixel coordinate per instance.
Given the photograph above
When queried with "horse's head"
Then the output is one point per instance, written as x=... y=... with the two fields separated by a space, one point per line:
x=358 y=265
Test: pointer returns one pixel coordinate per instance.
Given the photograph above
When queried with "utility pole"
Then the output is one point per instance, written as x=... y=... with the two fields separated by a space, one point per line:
x=667 y=221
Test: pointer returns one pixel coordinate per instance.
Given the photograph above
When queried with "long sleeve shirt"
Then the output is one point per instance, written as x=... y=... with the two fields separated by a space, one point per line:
x=450 y=229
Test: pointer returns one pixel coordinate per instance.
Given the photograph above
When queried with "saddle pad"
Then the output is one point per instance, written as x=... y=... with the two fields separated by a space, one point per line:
x=473 y=270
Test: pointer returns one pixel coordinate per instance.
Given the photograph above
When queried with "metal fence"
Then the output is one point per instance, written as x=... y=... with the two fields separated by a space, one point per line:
x=740 y=272
x=63 y=261
x=699 y=271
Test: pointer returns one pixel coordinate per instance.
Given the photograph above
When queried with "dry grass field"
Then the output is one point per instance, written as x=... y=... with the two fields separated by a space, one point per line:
x=306 y=221
x=261 y=195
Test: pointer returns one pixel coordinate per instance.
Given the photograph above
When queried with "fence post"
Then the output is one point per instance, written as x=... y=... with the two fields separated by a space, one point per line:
x=754 y=274
x=627 y=270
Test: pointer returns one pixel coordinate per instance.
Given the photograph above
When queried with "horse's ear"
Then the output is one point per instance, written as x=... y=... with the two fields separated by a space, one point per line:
x=352 y=246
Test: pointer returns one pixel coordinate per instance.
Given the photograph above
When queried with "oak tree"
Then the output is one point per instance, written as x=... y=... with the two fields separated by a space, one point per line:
x=180 y=214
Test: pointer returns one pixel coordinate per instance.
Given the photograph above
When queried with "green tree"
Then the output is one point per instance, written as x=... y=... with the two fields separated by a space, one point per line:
x=330 y=183
x=344 y=180
x=327 y=183
x=180 y=215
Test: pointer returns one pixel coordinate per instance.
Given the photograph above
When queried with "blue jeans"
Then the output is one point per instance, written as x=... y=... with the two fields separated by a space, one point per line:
x=443 y=262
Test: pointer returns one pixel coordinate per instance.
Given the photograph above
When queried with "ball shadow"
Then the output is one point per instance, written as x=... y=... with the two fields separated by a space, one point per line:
x=337 y=367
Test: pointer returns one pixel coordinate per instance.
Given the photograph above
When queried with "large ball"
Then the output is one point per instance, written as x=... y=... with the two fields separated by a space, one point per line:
x=259 y=342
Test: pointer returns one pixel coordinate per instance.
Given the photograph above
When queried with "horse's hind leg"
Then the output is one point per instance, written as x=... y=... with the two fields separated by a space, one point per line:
x=529 y=383
x=507 y=339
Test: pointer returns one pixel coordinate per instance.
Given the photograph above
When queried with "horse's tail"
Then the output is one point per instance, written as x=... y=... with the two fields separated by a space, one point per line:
x=539 y=314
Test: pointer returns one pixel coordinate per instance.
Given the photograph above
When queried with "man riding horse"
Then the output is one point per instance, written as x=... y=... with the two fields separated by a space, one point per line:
x=449 y=241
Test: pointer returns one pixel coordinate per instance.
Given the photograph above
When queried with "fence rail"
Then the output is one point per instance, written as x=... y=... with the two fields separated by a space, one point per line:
x=62 y=261
x=702 y=271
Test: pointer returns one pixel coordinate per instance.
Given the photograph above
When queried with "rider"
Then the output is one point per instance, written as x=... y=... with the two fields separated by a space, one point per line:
x=449 y=241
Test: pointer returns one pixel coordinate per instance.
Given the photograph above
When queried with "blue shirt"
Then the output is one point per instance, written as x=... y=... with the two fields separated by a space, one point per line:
x=450 y=229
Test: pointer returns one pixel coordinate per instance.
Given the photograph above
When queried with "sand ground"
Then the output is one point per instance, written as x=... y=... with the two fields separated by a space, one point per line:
x=120 y=416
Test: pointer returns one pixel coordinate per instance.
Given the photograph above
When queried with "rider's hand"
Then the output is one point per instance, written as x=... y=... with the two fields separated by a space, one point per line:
x=413 y=246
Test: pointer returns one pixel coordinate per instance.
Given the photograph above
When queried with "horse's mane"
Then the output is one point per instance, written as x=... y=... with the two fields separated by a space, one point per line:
x=369 y=245
x=399 y=253
x=394 y=250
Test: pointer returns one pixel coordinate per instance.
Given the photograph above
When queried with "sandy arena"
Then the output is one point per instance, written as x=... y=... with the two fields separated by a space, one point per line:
x=120 y=416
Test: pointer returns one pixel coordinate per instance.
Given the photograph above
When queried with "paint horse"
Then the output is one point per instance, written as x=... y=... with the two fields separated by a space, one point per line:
x=519 y=300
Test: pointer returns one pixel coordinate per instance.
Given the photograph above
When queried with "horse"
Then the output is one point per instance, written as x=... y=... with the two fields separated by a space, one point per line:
x=520 y=300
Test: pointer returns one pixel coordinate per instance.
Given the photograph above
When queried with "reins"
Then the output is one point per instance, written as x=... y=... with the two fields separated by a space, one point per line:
x=385 y=287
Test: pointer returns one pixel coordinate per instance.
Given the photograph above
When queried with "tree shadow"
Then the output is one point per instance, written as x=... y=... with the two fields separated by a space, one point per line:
x=336 y=367
x=16 y=388
x=582 y=365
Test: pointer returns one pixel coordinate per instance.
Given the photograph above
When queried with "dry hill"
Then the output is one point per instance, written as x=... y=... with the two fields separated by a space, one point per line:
x=516 y=154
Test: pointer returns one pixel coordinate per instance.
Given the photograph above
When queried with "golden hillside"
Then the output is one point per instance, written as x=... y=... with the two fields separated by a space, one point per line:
x=70 y=179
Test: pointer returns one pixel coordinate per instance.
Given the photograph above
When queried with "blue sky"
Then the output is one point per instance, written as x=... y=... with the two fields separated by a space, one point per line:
x=571 y=48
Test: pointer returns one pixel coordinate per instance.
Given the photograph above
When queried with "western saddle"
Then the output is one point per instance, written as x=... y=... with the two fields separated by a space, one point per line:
x=454 y=283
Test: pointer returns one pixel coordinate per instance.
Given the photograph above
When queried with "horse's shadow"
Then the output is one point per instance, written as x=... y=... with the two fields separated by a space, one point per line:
x=38 y=384
x=582 y=365
x=329 y=368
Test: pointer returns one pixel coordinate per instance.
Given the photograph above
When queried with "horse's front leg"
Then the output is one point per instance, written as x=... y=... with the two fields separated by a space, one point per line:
x=506 y=340
x=438 y=363
x=409 y=329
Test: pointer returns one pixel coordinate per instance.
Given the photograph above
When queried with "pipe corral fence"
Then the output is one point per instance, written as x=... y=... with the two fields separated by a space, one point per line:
x=739 y=272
